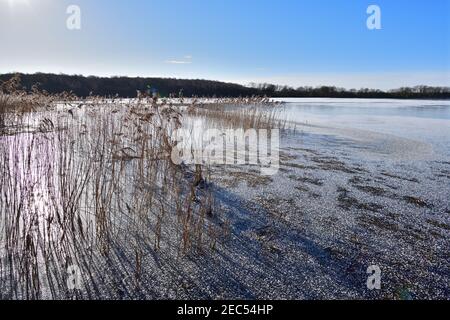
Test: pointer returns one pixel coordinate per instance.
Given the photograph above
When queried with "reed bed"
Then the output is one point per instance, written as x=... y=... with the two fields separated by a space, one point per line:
x=74 y=188
x=242 y=113
x=87 y=186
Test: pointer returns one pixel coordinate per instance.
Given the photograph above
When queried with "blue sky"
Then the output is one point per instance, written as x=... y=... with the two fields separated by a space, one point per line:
x=292 y=42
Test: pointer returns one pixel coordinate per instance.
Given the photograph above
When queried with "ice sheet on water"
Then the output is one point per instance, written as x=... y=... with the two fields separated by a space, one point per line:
x=424 y=121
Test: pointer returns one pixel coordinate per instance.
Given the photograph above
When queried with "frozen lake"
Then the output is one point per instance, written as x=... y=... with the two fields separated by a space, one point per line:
x=426 y=122
x=360 y=182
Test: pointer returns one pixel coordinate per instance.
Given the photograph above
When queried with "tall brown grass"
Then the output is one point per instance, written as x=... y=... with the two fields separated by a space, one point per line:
x=243 y=113
x=85 y=181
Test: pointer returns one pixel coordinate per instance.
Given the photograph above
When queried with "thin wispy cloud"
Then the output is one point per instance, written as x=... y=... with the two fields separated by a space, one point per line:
x=186 y=60
x=178 y=62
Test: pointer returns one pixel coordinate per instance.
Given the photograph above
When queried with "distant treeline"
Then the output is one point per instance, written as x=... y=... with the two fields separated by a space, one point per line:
x=417 y=92
x=127 y=87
